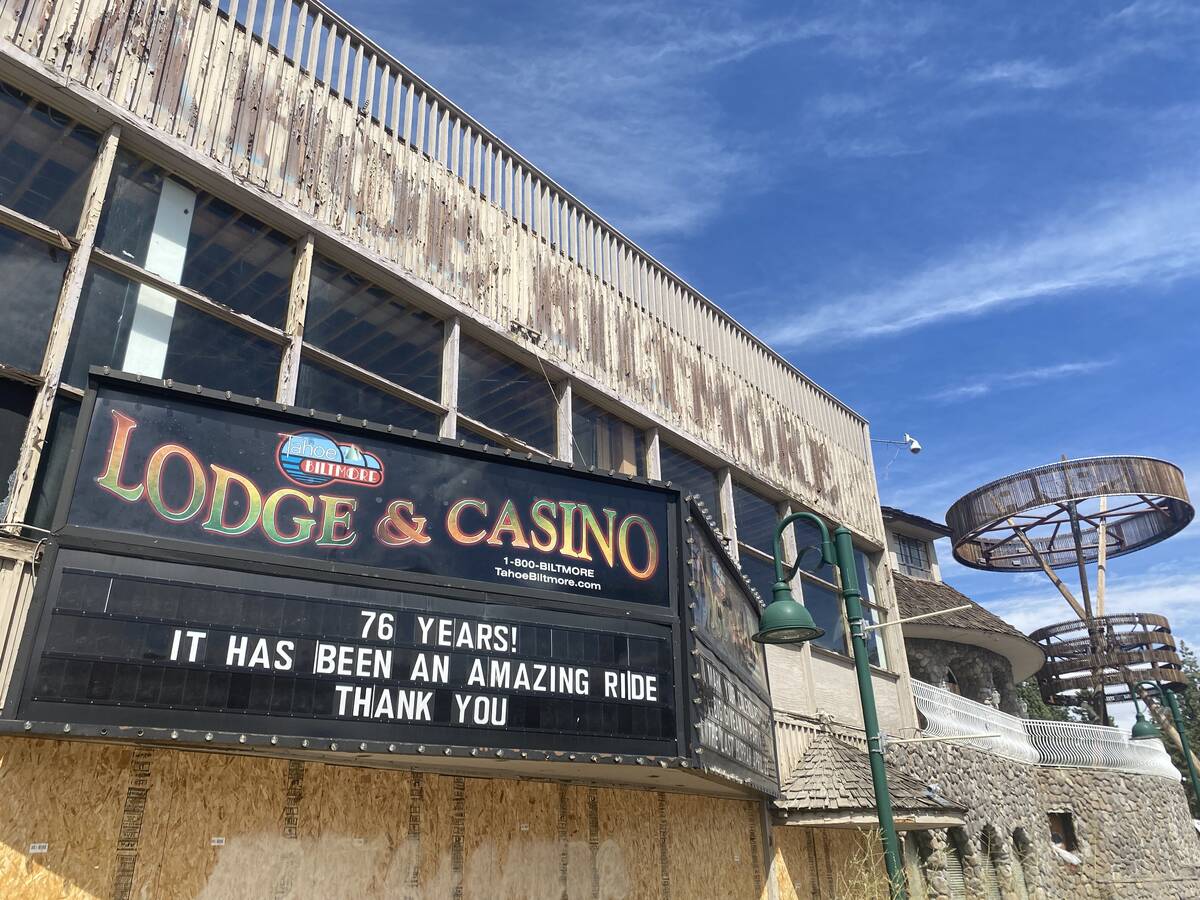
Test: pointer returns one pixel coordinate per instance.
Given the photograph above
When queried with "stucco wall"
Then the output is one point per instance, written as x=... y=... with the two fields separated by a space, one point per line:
x=1136 y=838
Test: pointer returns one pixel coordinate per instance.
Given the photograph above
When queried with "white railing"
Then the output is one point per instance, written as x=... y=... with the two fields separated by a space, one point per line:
x=947 y=715
x=1066 y=744
x=1098 y=747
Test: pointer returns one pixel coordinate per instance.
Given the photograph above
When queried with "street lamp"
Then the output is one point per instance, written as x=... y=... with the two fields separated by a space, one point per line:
x=785 y=621
x=1177 y=718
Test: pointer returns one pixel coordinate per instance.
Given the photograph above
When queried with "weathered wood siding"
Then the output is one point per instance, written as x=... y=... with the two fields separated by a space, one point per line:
x=339 y=131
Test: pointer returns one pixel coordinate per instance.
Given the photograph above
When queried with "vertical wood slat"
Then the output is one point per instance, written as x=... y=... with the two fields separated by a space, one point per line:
x=60 y=330
x=289 y=364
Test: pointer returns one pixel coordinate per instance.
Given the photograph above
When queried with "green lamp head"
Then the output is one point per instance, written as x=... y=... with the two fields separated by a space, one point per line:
x=1144 y=729
x=785 y=621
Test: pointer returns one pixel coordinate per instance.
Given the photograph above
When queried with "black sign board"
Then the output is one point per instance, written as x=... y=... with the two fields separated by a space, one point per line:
x=217 y=569
x=154 y=642
x=232 y=480
x=736 y=730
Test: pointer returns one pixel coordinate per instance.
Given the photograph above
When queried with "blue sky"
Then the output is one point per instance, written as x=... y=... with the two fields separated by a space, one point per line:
x=975 y=222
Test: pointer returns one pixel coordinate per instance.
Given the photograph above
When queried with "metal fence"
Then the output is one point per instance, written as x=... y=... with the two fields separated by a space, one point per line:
x=1066 y=744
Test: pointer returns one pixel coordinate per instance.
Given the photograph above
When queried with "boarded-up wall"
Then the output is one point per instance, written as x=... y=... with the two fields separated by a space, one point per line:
x=828 y=864
x=121 y=821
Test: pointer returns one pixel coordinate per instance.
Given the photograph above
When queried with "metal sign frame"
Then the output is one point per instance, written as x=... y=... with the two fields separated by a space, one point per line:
x=230 y=730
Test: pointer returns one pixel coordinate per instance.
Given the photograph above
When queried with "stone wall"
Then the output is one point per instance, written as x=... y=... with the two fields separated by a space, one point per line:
x=978 y=672
x=1136 y=838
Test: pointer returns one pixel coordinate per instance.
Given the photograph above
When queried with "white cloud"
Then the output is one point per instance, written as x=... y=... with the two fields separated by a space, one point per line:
x=1145 y=235
x=1025 y=73
x=983 y=385
x=618 y=101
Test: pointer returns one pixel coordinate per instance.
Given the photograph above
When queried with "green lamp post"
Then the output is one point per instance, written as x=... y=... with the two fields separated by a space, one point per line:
x=785 y=621
x=1143 y=728
x=1177 y=718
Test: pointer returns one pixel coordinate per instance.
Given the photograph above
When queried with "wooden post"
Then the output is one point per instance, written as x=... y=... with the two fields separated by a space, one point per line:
x=565 y=431
x=450 y=358
x=1101 y=557
x=60 y=332
x=653 y=459
x=1050 y=573
x=728 y=516
x=289 y=365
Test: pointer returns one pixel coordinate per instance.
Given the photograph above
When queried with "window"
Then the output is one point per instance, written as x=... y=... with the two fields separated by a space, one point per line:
x=602 y=440
x=32 y=274
x=955 y=870
x=363 y=324
x=188 y=236
x=506 y=396
x=16 y=402
x=756 y=518
x=1062 y=830
x=692 y=476
x=136 y=328
x=913 y=556
x=873 y=611
x=950 y=682
x=53 y=464
x=45 y=161
x=322 y=388
x=993 y=858
x=823 y=602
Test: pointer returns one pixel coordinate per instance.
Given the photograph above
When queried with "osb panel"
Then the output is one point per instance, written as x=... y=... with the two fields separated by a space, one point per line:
x=69 y=797
x=352 y=834
x=158 y=823
x=624 y=837
x=828 y=864
x=212 y=828
x=712 y=843
x=512 y=848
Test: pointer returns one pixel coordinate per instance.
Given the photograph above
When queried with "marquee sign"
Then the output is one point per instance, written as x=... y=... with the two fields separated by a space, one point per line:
x=227 y=567
x=235 y=481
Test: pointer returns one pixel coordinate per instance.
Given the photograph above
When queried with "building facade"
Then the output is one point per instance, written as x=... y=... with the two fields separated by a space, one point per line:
x=1051 y=809
x=255 y=211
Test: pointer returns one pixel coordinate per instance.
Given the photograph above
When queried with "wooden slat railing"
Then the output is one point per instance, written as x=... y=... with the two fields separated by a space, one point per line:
x=297 y=102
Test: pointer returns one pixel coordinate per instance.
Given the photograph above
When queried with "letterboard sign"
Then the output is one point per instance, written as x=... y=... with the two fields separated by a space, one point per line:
x=158 y=643
x=736 y=730
x=156 y=466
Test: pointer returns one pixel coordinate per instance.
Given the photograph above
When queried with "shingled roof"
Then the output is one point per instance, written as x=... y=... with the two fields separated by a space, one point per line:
x=832 y=783
x=916 y=597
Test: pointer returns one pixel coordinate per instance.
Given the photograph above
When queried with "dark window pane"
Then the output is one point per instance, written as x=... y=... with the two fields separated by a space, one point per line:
x=31 y=274
x=506 y=396
x=137 y=329
x=53 y=464
x=694 y=477
x=756 y=519
x=324 y=389
x=914 y=556
x=759 y=572
x=45 y=160
x=230 y=257
x=826 y=609
x=16 y=402
x=365 y=325
x=605 y=441
x=808 y=546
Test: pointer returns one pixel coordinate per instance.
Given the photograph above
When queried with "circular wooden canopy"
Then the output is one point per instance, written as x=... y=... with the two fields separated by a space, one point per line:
x=1117 y=651
x=1008 y=524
